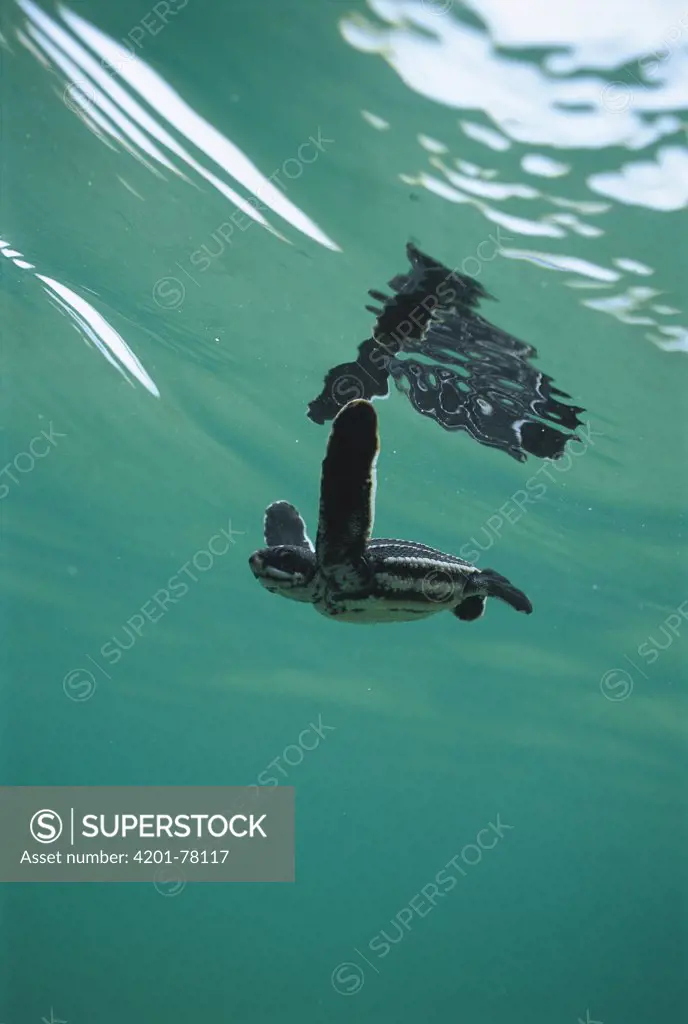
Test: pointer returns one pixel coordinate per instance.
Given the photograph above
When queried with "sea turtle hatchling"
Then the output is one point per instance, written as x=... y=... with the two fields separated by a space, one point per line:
x=349 y=577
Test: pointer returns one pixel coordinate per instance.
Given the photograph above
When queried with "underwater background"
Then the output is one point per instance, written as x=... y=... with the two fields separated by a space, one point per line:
x=195 y=199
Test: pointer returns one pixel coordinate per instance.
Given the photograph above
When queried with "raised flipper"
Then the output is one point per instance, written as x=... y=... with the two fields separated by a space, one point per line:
x=493 y=585
x=347 y=495
x=284 y=525
x=471 y=608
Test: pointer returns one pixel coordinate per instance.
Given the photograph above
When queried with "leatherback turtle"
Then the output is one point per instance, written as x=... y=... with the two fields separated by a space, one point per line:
x=348 y=576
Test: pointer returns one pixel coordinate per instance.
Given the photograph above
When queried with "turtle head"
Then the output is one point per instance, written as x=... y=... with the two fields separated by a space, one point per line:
x=286 y=570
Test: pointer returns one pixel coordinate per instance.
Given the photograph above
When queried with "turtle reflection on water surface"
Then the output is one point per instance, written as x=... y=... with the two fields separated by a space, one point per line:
x=454 y=366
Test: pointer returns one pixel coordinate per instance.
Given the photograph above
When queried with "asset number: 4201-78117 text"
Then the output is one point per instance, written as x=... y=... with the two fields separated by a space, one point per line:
x=183 y=857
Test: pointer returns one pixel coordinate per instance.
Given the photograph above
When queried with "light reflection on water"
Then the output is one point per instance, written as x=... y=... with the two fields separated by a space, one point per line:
x=558 y=101
x=95 y=89
x=555 y=100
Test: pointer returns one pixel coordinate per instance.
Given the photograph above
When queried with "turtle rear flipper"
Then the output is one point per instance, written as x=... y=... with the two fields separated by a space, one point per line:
x=492 y=584
x=284 y=525
x=471 y=608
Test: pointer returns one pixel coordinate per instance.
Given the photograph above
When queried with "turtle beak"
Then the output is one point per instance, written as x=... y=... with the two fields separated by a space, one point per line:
x=256 y=563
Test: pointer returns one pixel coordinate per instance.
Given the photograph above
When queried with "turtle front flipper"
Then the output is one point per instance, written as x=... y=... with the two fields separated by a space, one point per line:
x=347 y=495
x=284 y=525
x=471 y=608
x=494 y=585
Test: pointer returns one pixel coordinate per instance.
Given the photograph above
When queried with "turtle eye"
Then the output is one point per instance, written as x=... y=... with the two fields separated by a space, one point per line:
x=289 y=562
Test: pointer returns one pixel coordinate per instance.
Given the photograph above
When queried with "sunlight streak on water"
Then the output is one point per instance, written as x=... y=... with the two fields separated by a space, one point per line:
x=91 y=324
x=103 y=100
x=97 y=330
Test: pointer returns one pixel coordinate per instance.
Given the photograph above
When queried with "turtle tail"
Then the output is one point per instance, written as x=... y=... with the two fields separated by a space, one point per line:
x=493 y=585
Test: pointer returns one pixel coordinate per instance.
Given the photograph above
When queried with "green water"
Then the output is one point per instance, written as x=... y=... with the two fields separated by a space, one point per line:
x=429 y=733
